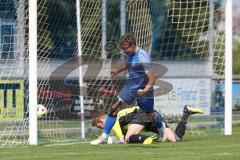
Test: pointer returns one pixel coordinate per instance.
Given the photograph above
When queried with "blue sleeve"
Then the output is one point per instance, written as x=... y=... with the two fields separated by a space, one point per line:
x=125 y=58
x=145 y=60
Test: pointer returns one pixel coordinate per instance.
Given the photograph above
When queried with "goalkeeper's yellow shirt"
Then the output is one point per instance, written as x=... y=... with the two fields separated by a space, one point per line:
x=117 y=130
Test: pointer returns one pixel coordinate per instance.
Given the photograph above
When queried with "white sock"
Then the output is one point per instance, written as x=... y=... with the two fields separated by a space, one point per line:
x=121 y=140
x=104 y=135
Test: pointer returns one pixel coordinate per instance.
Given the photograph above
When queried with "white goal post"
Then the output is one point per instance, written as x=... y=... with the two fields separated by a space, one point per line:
x=33 y=98
x=228 y=67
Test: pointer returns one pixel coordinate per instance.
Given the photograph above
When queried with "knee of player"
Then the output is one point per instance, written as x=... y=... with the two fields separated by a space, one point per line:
x=113 y=114
x=113 y=111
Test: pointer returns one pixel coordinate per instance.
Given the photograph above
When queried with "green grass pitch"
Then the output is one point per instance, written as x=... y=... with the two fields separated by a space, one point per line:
x=193 y=147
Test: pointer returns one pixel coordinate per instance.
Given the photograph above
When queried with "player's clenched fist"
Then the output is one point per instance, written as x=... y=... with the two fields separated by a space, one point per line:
x=141 y=92
x=113 y=72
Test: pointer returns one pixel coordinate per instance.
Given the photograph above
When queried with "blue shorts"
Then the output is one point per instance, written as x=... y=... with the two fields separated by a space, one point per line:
x=128 y=94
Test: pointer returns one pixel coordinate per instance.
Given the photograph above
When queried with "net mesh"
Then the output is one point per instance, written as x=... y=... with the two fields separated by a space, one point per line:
x=186 y=37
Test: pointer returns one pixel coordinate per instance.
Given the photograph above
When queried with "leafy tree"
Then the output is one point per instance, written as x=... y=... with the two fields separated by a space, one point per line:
x=186 y=27
x=57 y=33
x=236 y=57
x=7 y=9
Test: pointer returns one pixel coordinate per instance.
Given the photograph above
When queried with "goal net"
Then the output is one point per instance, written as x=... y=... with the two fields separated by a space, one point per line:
x=185 y=40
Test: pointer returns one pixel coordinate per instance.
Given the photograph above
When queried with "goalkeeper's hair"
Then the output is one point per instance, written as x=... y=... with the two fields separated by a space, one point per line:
x=96 y=115
x=127 y=41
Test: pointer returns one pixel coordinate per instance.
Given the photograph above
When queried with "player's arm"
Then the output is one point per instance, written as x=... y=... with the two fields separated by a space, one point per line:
x=117 y=128
x=147 y=66
x=122 y=67
x=151 y=79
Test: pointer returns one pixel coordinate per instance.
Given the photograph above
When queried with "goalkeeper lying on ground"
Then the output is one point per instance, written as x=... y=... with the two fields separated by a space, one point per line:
x=131 y=121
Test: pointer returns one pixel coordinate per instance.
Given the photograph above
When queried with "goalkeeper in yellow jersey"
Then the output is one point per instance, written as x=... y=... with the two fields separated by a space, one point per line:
x=131 y=121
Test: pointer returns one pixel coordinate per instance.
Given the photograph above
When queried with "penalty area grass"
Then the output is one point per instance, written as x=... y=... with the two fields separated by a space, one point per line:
x=193 y=147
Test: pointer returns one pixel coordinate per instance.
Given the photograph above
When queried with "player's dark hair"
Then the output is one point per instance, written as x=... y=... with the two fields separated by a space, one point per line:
x=127 y=41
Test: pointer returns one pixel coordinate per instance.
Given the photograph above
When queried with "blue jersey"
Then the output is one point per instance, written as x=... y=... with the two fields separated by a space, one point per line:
x=138 y=64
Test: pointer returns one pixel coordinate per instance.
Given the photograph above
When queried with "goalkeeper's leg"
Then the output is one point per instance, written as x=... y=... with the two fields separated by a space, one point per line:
x=182 y=125
x=132 y=135
x=137 y=138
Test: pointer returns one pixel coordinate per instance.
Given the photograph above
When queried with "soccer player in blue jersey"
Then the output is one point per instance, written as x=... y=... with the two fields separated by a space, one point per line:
x=138 y=86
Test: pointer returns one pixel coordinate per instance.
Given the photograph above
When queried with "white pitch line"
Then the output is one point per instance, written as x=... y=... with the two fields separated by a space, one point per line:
x=64 y=144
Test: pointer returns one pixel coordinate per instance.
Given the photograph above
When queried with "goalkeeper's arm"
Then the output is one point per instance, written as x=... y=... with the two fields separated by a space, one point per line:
x=117 y=130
